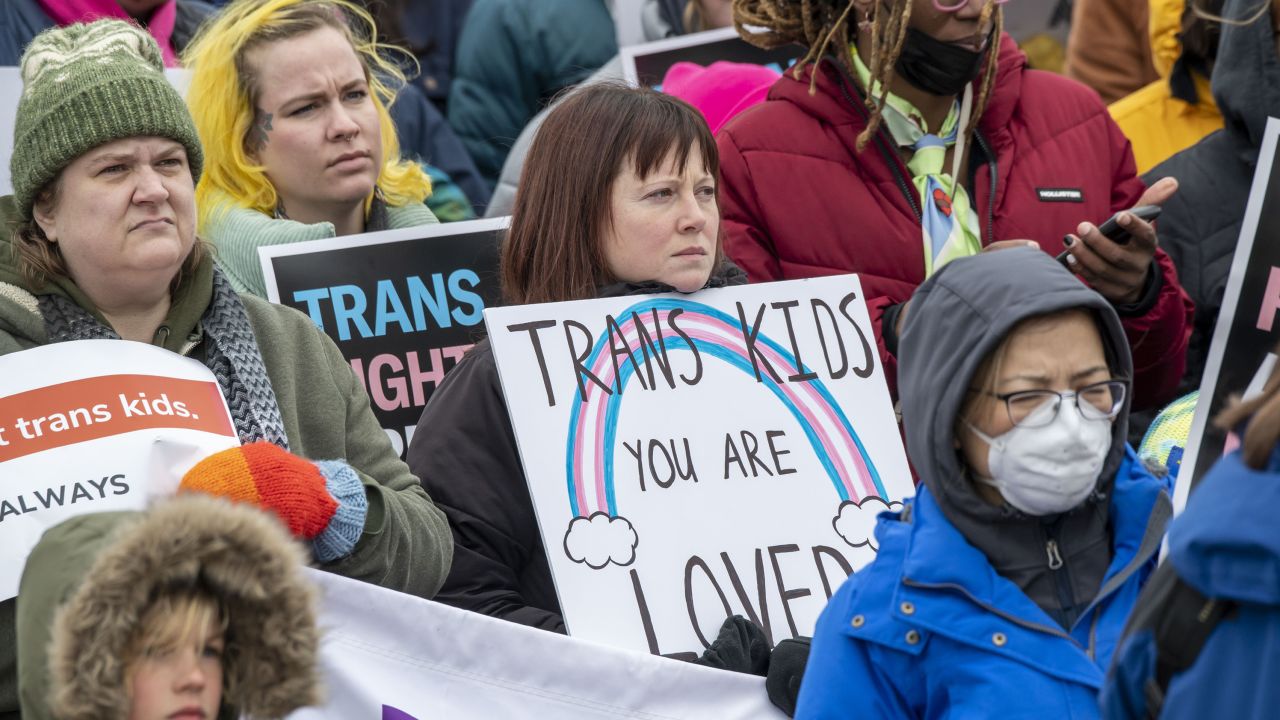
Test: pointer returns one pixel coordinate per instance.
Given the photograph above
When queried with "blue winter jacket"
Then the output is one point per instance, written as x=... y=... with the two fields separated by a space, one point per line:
x=513 y=56
x=930 y=630
x=1226 y=545
x=431 y=30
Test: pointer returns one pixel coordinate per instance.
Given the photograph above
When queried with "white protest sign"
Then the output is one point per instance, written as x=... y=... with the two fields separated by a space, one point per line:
x=399 y=657
x=97 y=425
x=696 y=456
x=11 y=91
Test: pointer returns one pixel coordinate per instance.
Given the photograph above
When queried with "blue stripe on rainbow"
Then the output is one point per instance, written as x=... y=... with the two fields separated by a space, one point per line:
x=695 y=310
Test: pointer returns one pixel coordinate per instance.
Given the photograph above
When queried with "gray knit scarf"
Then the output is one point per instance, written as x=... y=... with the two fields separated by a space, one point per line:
x=232 y=355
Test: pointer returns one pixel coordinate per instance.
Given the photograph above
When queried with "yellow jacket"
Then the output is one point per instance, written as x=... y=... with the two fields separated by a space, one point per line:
x=1157 y=124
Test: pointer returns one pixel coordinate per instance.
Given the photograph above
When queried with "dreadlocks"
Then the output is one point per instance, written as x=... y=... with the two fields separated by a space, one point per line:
x=817 y=24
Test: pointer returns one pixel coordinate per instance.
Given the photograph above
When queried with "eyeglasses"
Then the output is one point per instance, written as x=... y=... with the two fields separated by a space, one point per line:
x=1037 y=408
x=943 y=6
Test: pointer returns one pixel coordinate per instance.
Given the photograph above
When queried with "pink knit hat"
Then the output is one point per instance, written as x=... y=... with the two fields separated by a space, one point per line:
x=720 y=90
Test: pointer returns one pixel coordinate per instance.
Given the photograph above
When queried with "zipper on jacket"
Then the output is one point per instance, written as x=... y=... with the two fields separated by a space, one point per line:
x=161 y=336
x=193 y=340
x=995 y=175
x=882 y=139
x=1092 y=650
x=1055 y=557
x=1059 y=570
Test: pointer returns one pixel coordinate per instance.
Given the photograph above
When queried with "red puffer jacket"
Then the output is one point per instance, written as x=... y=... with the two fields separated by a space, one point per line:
x=798 y=201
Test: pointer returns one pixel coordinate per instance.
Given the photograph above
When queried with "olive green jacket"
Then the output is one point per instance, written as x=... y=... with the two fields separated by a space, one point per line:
x=406 y=546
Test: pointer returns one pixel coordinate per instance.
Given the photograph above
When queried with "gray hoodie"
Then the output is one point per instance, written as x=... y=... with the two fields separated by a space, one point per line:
x=956 y=319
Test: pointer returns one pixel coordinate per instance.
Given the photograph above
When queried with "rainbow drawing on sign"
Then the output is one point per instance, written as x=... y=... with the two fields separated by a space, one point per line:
x=598 y=534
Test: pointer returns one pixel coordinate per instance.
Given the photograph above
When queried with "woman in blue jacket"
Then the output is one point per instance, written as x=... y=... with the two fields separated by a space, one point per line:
x=1225 y=550
x=1001 y=590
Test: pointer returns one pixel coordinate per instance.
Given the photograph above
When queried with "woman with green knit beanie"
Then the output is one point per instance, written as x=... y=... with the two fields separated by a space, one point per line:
x=104 y=166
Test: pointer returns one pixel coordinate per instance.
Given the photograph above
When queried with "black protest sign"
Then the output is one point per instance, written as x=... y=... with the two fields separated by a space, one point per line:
x=403 y=305
x=1244 y=340
x=647 y=64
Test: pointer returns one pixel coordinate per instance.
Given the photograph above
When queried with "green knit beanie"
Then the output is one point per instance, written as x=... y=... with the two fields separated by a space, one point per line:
x=85 y=86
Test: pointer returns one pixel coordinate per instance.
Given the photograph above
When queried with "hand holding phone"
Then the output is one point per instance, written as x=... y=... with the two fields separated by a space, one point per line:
x=1115 y=232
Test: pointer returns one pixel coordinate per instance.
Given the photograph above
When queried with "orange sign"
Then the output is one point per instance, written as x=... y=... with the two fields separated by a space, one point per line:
x=82 y=410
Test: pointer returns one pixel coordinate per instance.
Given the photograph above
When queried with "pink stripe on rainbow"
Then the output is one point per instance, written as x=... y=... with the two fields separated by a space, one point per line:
x=710 y=329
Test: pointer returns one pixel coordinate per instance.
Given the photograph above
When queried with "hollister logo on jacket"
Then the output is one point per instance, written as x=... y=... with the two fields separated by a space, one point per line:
x=1072 y=195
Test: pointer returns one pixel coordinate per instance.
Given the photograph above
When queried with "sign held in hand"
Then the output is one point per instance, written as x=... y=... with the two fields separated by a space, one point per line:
x=696 y=456
x=79 y=437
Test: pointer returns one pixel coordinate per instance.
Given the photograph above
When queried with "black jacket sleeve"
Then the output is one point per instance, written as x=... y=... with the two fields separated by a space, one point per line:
x=464 y=450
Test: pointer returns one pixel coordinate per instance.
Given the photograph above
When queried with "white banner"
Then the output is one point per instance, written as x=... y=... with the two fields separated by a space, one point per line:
x=93 y=426
x=398 y=657
x=696 y=456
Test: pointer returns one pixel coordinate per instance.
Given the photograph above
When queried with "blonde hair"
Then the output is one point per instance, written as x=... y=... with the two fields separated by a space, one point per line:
x=223 y=94
x=173 y=620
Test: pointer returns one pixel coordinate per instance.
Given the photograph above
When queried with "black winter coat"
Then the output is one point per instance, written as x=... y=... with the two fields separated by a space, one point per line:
x=1200 y=225
x=464 y=451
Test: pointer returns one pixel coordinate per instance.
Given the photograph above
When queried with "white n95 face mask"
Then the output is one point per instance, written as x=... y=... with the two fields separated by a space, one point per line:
x=1049 y=469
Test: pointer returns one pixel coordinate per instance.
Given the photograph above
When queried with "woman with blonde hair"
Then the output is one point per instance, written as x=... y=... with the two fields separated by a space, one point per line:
x=290 y=99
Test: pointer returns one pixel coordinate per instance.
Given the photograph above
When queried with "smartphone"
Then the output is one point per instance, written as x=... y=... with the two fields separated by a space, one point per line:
x=1117 y=234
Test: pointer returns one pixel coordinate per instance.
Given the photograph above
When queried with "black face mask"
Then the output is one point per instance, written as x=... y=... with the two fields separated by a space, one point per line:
x=936 y=67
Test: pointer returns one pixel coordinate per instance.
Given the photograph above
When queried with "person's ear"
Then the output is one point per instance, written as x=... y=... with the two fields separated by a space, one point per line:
x=42 y=211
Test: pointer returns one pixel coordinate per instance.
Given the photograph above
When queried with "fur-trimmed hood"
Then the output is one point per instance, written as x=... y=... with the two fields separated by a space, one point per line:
x=90 y=578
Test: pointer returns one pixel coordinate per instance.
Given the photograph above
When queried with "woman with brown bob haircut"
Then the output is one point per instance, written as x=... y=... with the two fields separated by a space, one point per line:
x=618 y=197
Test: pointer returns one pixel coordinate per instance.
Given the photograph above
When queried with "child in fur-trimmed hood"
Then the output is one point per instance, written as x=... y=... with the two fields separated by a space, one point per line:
x=87 y=620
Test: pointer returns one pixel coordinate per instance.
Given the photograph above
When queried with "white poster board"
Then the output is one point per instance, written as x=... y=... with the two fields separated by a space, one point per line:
x=79 y=437
x=696 y=456
x=394 y=656
x=11 y=91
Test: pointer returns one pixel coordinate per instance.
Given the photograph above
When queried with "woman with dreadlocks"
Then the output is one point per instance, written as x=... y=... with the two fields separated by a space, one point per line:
x=912 y=133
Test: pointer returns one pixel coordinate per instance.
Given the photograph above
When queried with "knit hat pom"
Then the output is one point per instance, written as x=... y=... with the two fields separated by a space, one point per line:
x=85 y=86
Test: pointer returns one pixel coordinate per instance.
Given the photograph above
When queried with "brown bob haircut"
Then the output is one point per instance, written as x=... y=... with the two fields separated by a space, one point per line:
x=554 y=249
